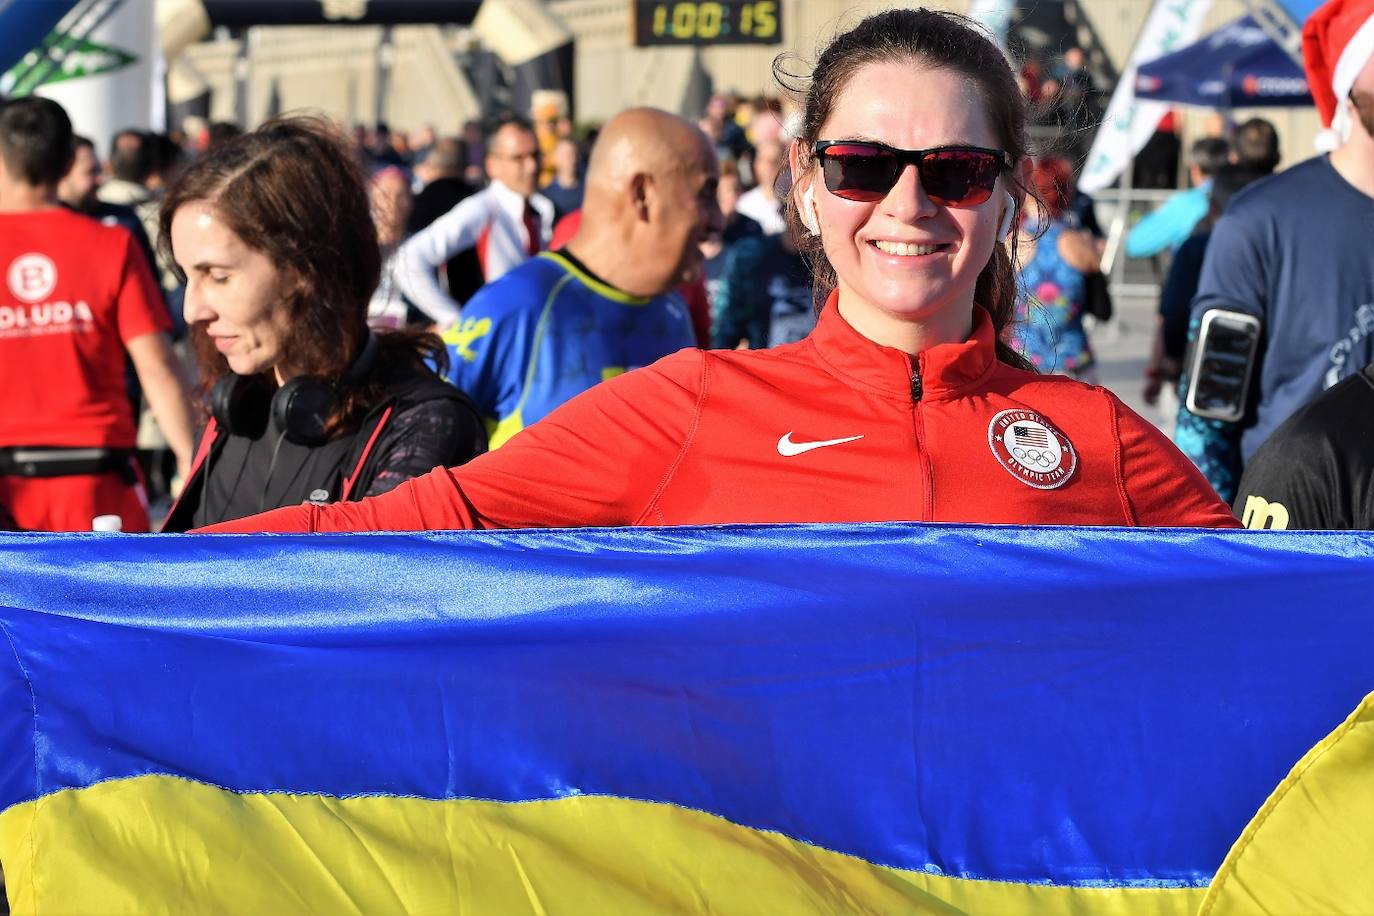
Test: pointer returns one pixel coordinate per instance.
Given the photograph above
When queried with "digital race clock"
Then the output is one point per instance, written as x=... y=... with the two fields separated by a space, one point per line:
x=707 y=22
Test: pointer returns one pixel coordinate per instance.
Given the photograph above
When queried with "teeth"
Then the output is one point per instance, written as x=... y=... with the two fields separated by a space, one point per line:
x=904 y=249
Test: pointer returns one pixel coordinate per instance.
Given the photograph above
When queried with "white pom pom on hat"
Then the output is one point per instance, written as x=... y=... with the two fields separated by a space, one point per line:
x=1327 y=139
x=1337 y=42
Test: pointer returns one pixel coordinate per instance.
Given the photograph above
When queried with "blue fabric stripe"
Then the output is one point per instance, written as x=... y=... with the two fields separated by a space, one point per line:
x=1075 y=706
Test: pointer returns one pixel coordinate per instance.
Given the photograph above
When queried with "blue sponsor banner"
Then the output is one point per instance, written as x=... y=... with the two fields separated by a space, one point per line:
x=24 y=24
x=1237 y=66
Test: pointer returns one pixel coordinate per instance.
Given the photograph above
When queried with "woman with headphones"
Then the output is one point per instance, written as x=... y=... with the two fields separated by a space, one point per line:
x=909 y=169
x=274 y=236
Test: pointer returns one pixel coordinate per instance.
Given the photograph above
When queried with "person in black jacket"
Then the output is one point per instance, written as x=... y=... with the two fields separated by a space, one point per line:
x=274 y=236
x=442 y=172
x=1180 y=286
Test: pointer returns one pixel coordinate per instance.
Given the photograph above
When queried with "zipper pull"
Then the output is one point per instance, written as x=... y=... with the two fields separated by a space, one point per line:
x=917 y=388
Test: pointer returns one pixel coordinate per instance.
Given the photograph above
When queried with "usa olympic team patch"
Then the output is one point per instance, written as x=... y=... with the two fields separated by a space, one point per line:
x=1032 y=450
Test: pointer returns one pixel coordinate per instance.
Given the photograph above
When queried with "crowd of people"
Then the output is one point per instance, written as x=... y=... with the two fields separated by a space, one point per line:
x=858 y=303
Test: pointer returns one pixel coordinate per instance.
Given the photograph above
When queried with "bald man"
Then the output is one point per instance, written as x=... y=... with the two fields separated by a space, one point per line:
x=564 y=321
x=505 y=224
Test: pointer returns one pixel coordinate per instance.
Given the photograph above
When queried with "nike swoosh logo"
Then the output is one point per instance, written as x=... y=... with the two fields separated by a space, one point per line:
x=787 y=448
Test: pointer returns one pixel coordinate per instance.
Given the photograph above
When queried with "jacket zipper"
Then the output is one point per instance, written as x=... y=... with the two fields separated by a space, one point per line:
x=919 y=428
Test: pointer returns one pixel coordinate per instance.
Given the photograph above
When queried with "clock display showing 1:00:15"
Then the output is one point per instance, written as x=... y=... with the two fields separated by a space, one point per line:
x=708 y=22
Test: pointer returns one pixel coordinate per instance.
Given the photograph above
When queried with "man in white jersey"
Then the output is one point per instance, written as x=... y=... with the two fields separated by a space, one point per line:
x=507 y=223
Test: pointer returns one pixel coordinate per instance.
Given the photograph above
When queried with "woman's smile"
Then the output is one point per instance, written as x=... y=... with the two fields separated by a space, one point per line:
x=909 y=249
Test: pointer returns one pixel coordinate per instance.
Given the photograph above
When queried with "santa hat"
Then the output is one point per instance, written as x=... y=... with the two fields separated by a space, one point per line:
x=1337 y=42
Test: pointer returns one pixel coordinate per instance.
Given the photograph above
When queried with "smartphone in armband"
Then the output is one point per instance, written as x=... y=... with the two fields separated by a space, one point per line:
x=1221 y=364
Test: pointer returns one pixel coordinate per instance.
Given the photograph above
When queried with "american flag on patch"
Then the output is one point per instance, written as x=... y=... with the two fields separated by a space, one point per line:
x=1030 y=437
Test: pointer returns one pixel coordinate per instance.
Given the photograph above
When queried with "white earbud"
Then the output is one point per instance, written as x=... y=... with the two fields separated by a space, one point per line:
x=808 y=211
x=1007 y=216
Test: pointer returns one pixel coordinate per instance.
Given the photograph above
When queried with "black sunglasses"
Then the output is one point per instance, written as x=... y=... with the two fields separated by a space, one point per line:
x=952 y=176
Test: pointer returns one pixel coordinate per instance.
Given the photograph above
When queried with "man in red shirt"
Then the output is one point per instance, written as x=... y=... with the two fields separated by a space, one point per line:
x=78 y=298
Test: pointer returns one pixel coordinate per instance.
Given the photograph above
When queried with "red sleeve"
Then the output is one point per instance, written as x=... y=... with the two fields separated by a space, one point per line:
x=1160 y=486
x=139 y=306
x=599 y=460
x=565 y=229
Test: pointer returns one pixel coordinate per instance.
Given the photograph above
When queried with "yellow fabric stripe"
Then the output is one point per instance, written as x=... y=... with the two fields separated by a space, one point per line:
x=159 y=844
x=1310 y=849
x=601 y=289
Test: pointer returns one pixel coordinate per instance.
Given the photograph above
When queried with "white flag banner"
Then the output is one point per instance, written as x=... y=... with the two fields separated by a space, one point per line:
x=995 y=16
x=1129 y=121
x=106 y=81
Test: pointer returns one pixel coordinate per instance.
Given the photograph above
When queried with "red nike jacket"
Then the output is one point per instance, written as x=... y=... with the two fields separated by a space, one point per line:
x=834 y=428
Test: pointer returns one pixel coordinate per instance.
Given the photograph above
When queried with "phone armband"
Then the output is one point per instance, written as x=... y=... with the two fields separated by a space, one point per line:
x=1221 y=365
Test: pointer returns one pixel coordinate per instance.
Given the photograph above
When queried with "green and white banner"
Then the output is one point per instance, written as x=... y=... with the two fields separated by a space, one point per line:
x=108 y=80
x=1129 y=121
x=70 y=59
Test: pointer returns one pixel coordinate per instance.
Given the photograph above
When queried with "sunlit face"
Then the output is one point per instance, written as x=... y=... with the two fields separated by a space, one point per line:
x=908 y=106
x=727 y=195
x=767 y=159
x=391 y=205
x=1362 y=94
x=79 y=185
x=513 y=159
x=688 y=213
x=565 y=157
x=233 y=292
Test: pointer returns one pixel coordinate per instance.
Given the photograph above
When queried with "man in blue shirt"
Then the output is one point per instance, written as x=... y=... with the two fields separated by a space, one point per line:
x=564 y=321
x=1295 y=252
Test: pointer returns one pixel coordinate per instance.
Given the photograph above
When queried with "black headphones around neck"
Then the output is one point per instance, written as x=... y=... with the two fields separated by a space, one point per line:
x=301 y=408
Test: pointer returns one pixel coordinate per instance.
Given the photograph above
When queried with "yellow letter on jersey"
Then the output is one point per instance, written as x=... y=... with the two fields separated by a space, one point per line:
x=462 y=336
x=1260 y=513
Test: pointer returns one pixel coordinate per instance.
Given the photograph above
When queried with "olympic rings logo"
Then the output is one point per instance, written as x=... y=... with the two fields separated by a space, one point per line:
x=1028 y=448
x=1035 y=457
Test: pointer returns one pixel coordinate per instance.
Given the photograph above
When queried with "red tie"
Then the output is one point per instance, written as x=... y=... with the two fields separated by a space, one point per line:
x=533 y=230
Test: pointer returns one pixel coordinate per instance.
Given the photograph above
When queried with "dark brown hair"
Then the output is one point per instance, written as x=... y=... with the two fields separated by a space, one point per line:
x=1257 y=146
x=293 y=191
x=936 y=39
x=35 y=140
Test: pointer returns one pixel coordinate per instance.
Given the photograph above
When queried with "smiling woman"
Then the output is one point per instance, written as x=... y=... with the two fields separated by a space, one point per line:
x=902 y=404
x=273 y=234
x=912 y=239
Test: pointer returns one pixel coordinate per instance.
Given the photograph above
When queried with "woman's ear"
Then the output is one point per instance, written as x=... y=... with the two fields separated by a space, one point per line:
x=810 y=217
x=1023 y=173
x=804 y=191
x=1008 y=216
x=1015 y=185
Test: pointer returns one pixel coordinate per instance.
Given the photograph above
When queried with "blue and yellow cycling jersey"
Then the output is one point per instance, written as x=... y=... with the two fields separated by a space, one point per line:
x=547 y=331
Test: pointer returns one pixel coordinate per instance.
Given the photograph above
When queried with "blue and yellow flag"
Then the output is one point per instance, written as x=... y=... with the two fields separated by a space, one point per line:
x=757 y=719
